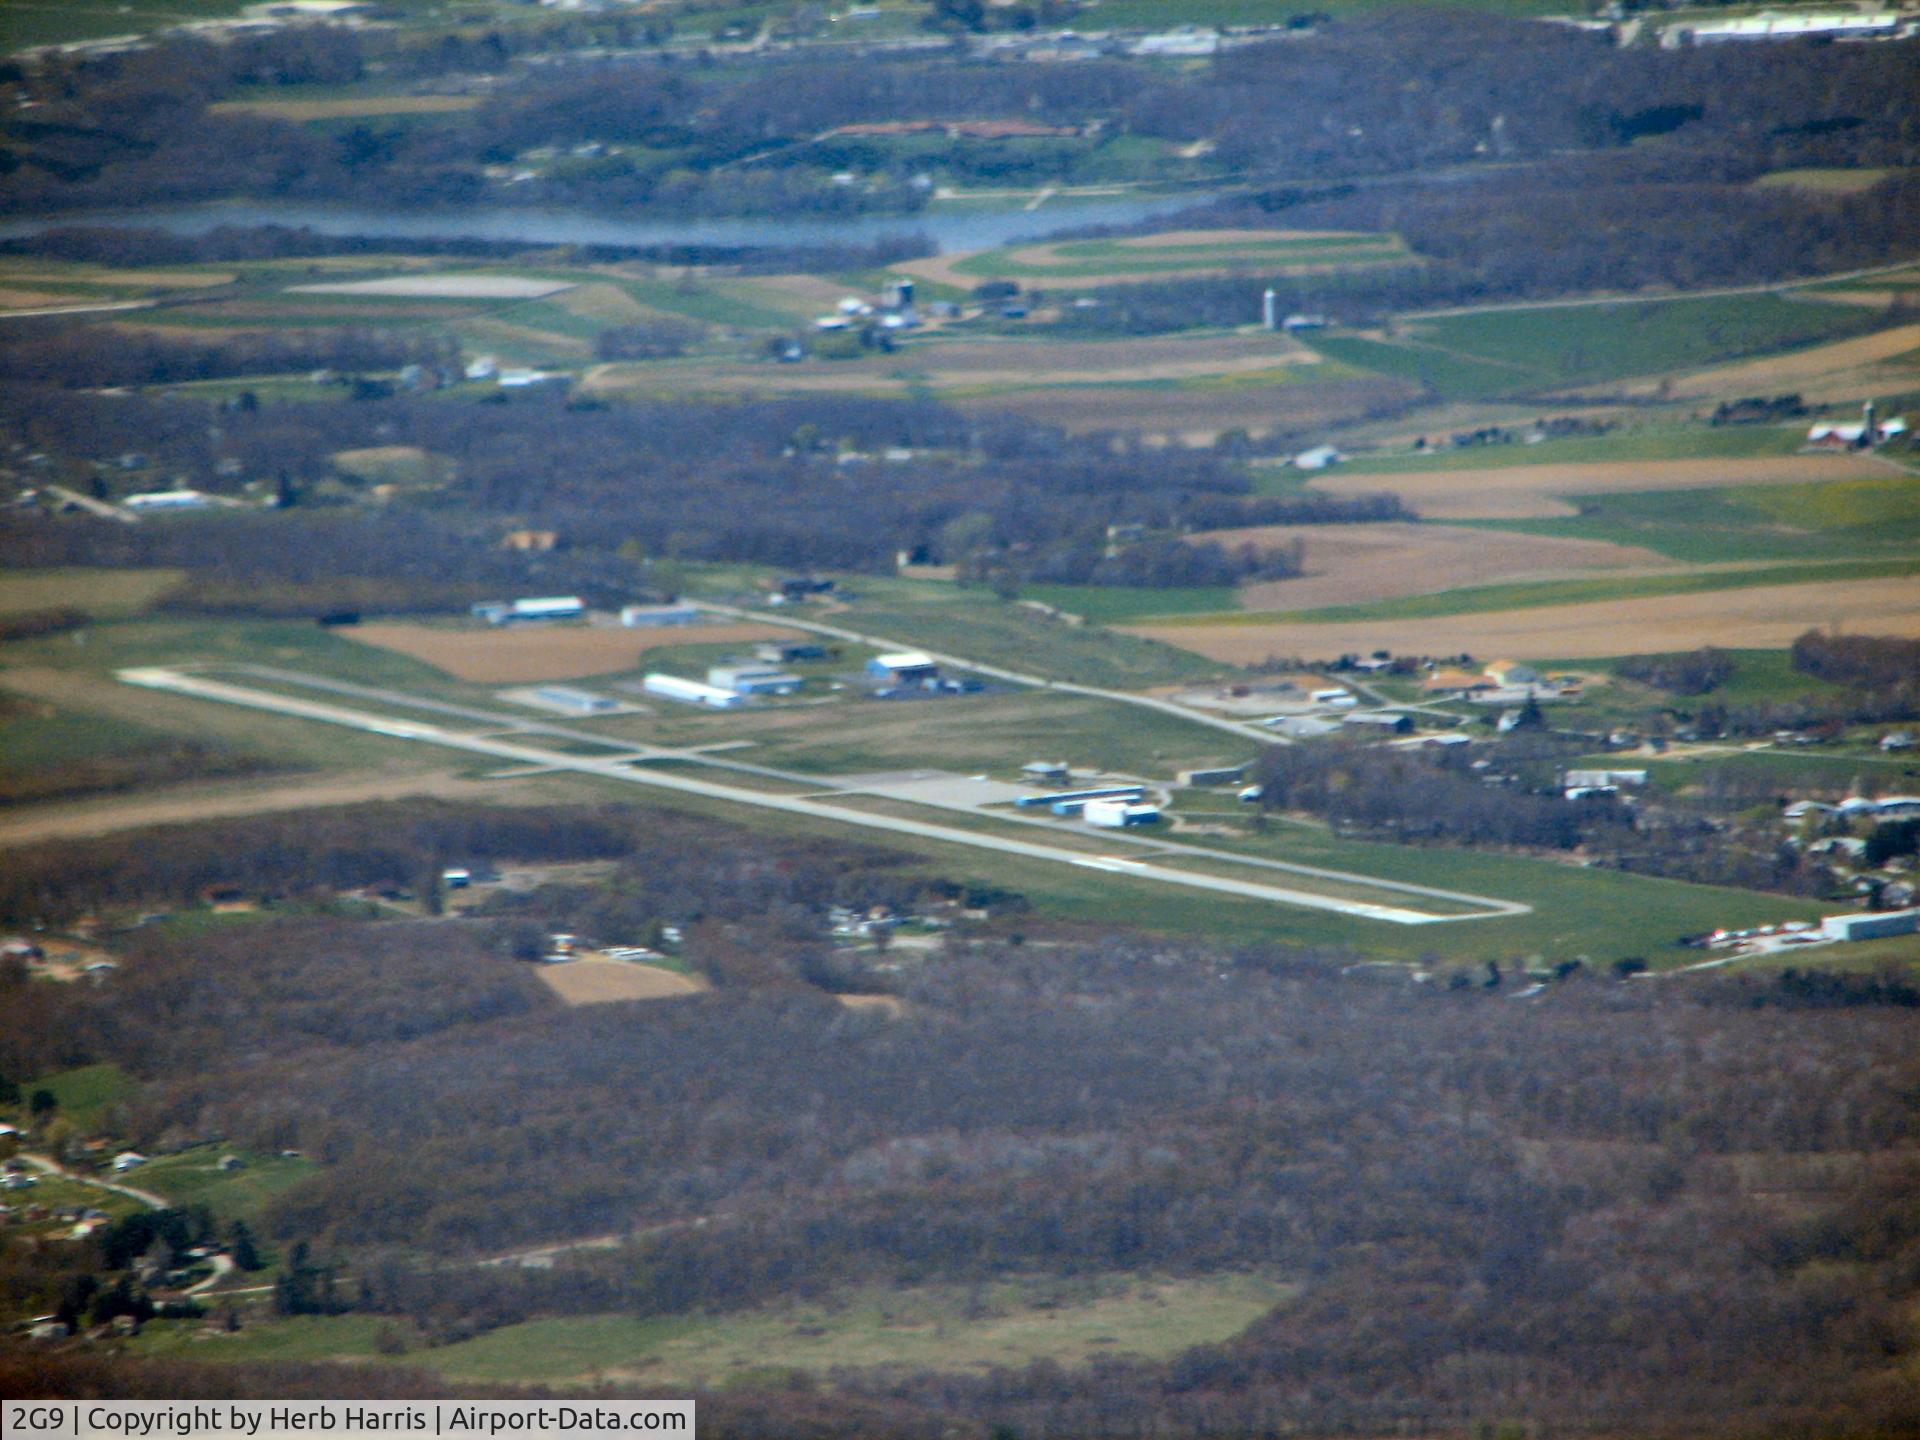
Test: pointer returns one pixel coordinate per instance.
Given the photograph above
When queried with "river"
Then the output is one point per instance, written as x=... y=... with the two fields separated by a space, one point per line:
x=952 y=226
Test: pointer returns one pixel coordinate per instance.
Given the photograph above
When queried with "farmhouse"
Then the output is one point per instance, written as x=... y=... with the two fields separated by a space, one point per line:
x=1318 y=458
x=1827 y=436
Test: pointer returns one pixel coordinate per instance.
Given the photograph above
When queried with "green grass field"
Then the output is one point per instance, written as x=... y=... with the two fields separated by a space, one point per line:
x=975 y=624
x=1820 y=519
x=1006 y=1323
x=1696 y=442
x=1089 y=258
x=193 y=1177
x=1497 y=352
x=104 y=594
x=1123 y=605
x=84 y=1094
x=1164 y=14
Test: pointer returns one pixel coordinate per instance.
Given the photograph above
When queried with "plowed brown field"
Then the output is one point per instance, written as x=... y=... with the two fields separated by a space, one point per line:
x=1352 y=564
x=1759 y=617
x=595 y=981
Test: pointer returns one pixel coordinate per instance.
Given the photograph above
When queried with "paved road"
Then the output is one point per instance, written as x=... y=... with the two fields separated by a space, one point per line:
x=1039 y=682
x=46 y=1164
x=93 y=506
x=612 y=769
x=1770 y=287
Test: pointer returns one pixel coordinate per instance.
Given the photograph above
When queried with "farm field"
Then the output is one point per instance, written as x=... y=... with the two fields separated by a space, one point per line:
x=1198 y=413
x=507 y=654
x=348 y=107
x=73 y=820
x=100 y=593
x=1476 y=354
x=1086 y=263
x=1346 y=564
x=1756 y=617
x=1862 y=517
x=1476 y=599
x=1882 y=363
x=1007 y=1323
x=1516 y=492
x=1689 y=442
x=1190 y=387
x=596 y=981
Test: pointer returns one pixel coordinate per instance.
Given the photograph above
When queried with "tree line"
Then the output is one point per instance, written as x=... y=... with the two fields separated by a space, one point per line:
x=1634 y=1205
x=751 y=480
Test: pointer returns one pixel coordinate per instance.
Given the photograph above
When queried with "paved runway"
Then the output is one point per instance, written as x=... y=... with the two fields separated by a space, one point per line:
x=181 y=683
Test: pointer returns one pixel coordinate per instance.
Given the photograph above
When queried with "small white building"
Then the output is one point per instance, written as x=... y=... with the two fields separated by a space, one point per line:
x=1318 y=458
x=182 y=499
x=644 y=617
x=1619 y=779
x=531 y=609
x=691 y=692
x=128 y=1160
x=1119 y=814
x=903 y=665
